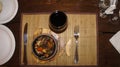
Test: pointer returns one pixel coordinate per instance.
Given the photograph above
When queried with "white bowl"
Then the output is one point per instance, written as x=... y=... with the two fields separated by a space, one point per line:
x=9 y=10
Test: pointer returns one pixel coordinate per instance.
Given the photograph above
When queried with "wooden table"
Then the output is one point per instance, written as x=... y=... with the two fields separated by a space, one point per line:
x=107 y=55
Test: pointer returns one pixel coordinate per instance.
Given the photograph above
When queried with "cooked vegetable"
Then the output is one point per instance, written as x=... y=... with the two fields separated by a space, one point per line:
x=39 y=48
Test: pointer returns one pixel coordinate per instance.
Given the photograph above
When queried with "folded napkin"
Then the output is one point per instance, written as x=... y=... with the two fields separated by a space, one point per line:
x=115 y=41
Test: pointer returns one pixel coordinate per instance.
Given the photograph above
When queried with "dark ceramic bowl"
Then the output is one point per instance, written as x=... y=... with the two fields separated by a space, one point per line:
x=45 y=47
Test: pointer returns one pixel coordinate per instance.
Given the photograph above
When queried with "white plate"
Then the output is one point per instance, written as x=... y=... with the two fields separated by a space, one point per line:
x=9 y=10
x=7 y=44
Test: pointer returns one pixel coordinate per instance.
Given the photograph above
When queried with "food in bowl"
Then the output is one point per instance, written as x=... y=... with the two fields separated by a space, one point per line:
x=45 y=47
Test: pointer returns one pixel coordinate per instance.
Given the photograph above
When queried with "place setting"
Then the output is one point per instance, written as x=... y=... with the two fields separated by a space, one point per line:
x=8 y=10
x=58 y=38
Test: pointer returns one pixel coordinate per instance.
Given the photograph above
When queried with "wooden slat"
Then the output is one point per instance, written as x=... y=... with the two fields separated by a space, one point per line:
x=87 y=41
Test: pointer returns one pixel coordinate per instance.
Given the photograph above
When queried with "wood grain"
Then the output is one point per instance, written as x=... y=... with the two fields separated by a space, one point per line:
x=87 y=41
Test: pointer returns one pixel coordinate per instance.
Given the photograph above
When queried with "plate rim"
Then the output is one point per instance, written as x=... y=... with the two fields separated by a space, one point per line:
x=51 y=36
x=12 y=50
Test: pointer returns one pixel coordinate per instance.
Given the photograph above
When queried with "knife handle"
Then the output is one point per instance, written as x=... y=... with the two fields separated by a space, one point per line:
x=25 y=56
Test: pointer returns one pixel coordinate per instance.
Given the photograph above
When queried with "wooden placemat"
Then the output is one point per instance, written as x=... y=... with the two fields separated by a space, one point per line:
x=87 y=41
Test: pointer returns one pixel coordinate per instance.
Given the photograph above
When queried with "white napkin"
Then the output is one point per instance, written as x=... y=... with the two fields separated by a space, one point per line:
x=115 y=41
x=110 y=9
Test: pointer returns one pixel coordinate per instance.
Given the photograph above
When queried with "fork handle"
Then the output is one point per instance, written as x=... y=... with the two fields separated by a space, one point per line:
x=76 y=57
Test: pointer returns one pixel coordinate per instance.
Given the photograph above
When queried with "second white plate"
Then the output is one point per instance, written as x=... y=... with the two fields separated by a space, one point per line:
x=7 y=44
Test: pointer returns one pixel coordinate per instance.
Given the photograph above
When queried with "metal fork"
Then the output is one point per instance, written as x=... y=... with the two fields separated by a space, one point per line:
x=76 y=35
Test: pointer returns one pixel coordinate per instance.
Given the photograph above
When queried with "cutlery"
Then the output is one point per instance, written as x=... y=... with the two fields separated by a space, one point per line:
x=25 y=43
x=76 y=36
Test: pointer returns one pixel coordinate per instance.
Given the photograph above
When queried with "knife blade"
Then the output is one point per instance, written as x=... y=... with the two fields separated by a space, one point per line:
x=25 y=43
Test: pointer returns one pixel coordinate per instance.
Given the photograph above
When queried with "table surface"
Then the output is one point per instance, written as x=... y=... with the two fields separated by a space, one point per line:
x=107 y=54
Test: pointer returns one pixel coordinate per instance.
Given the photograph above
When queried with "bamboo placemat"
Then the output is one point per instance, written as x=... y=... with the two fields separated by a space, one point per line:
x=87 y=41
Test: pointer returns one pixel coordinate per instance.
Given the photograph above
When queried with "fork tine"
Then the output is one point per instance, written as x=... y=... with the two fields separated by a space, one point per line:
x=76 y=32
x=76 y=29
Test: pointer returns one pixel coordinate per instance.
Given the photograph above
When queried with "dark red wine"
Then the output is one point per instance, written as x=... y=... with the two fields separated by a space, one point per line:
x=58 y=21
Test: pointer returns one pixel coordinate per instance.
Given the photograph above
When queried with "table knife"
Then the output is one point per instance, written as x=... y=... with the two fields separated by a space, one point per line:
x=25 y=43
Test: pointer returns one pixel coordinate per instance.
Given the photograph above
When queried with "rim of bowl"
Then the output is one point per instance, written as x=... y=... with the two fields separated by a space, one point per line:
x=56 y=47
